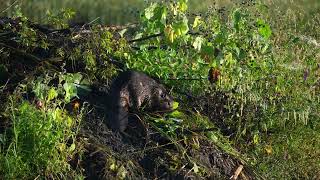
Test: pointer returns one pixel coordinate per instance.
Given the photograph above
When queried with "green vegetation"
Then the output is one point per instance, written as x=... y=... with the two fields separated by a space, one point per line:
x=107 y=11
x=42 y=139
x=261 y=106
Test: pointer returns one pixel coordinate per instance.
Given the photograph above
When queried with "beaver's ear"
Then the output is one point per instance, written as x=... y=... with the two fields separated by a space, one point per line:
x=157 y=90
x=161 y=93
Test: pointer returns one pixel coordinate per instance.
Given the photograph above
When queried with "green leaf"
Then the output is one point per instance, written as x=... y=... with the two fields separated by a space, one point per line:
x=160 y=14
x=39 y=89
x=198 y=43
x=72 y=78
x=197 y=21
x=195 y=168
x=175 y=105
x=183 y=6
x=176 y=114
x=181 y=27
x=169 y=33
x=208 y=49
x=264 y=29
x=121 y=33
x=72 y=147
x=236 y=19
x=52 y=94
x=149 y=11
x=70 y=90
x=256 y=138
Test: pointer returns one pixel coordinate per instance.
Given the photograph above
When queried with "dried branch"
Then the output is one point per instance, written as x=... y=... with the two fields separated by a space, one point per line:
x=36 y=59
x=145 y=38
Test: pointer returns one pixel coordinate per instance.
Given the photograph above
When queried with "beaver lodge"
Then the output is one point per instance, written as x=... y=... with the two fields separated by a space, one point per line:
x=43 y=117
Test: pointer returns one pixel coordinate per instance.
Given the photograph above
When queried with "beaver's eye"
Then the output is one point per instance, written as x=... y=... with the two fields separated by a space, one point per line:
x=163 y=95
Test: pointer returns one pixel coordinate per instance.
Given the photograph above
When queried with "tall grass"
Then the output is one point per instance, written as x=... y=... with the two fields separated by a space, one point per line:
x=39 y=143
x=295 y=140
x=107 y=11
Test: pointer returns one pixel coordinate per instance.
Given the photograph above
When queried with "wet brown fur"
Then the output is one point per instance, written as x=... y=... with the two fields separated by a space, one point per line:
x=133 y=90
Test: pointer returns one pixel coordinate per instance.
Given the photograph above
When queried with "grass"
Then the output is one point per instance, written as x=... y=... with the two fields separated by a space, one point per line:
x=40 y=141
x=107 y=11
x=294 y=145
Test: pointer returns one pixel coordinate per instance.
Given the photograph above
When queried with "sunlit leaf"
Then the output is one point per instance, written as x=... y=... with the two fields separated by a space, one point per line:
x=113 y=166
x=256 y=139
x=264 y=29
x=122 y=172
x=176 y=114
x=149 y=12
x=70 y=91
x=175 y=105
x=169 y=34
x=69 y=121
x=183 y=6
x=52 y=94
x=198 y=43
x=121 y=33
x=197 y=21
x=181 y=27
x=195 y=168
x=268 y=149
x=62 y=147
x=72 y=147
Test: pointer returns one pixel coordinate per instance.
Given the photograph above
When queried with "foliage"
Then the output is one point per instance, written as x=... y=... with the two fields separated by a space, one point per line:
x=238 y=49
x=266 y=95
x=41 y=141
x=271 y=95
x=101 y=11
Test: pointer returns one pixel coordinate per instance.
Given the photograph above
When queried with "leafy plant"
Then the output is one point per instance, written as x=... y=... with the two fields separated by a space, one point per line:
x=41 y=140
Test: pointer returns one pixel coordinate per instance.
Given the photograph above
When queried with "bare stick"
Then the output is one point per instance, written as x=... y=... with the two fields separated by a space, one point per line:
x=145 y=38
x=237 y=172
x=9 y=7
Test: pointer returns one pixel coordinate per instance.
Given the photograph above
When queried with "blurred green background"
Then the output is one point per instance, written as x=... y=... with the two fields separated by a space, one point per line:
x=107 y=11
x=125 y=11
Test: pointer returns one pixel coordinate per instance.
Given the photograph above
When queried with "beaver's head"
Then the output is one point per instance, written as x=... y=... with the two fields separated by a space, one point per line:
x=161 y=100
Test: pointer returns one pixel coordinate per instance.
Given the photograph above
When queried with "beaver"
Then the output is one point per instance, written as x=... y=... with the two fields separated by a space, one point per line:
x=133 y=90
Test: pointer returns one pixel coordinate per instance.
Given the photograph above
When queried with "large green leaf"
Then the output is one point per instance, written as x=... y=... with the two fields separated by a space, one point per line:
x=149 y=12
x=181 y=27
x=264 y=29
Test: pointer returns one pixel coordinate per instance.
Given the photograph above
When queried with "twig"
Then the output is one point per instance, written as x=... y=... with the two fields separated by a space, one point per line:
x=237 y=172
x=5 y=33
x=158 y=146
x=4 y=86
x=198 y=130
x=145 y=38
x=157 y=35
x=119 y=27
x=21 y=52
x=9 y=7
x=91 y=21
x=187 y=79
